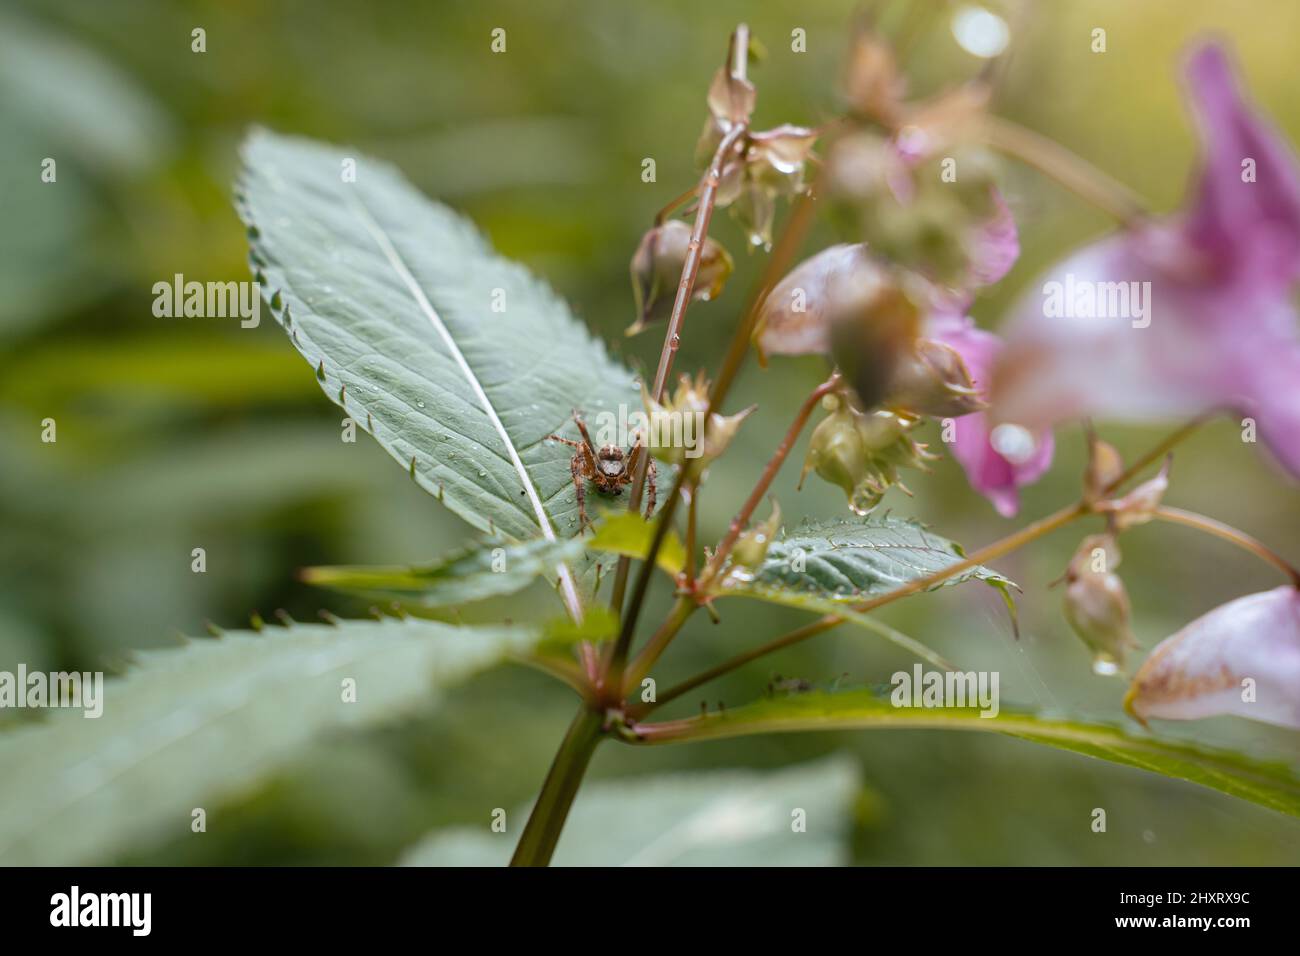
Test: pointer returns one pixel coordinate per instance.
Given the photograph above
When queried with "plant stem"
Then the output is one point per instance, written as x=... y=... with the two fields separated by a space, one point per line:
x=640 y=667
x=692 y=524
x=662 y=215
x=769 y=473
x=1067 y=168
x=545 y=823
x=685 y=288
x=786 y=247
x=1156 y=453
x=1228 y=533
x=708 y=191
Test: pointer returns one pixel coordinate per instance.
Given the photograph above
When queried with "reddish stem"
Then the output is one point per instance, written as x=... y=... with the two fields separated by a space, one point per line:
x=769 y=473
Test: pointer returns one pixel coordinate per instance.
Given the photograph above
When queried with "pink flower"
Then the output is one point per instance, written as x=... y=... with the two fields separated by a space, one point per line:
x=1182 y=315
x=1242 y=658
x=822 y=284
x=989 y=472
x=995 y=248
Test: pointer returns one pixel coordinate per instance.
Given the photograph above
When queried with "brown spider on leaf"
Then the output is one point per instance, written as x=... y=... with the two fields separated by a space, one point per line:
x=609 y=469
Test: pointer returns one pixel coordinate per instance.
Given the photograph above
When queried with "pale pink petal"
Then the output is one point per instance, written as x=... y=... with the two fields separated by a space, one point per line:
x=1151 y=359
x=1242 y=658
x=994 y=246
x=1216 y=328
x=795 y=318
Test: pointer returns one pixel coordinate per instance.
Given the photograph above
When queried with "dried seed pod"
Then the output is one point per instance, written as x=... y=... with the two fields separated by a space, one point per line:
x=657 y=269
x=932 y=379
x=874 y=330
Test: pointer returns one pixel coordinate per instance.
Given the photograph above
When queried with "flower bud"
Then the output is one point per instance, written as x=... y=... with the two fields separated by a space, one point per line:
x=751 y=547
x=731 y=99
x=1096 y=604
x=657 y=269
x=874 y=330
x=794 y=318
x=678 y=432
x=864 y=165
x=932 y=379
x=862 y=452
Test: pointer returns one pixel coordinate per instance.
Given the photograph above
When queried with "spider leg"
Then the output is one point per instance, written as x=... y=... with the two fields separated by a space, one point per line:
x=582 y=427
x=634 y=462
x=582 y=465
x=567 y=441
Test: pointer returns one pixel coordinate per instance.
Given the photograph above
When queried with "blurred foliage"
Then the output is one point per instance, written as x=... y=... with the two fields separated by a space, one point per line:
x=178 y=433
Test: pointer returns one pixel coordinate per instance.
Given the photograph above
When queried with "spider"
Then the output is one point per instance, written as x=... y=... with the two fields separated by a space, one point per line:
x=608 y=468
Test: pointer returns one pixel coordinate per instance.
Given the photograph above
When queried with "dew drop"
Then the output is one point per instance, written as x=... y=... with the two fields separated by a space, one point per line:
x=1015 y=443
x=1104 y=666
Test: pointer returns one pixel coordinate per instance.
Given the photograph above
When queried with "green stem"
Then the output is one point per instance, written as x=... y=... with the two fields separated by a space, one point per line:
x=640 y=667
x=1069 y=169
x=1227 y=532
x=545 y=823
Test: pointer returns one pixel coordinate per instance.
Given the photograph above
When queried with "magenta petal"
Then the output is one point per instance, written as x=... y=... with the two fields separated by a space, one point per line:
x=989 y=473
x=1245 y=226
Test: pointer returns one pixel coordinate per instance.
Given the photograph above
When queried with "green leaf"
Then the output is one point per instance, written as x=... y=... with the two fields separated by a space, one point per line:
x=719 y=818
x=598 y=625
x=188 y=727
x=1272 y=785
x=630 y=534
x=476 y=573
x=62 y=100
x=70 y=95
x=829 y=566
x=458 y=362
x=839 y=563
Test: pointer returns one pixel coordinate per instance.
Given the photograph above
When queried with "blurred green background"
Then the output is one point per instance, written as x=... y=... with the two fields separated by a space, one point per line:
x=180 y=433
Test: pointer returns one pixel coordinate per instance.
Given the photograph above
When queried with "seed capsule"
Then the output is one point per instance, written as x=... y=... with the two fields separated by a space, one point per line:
x=1096 y=603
